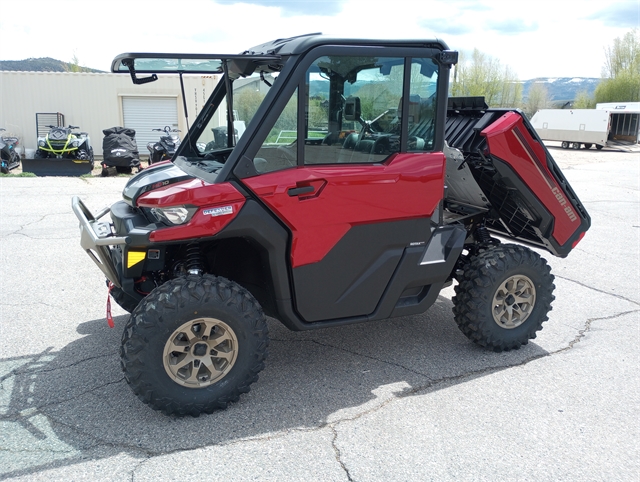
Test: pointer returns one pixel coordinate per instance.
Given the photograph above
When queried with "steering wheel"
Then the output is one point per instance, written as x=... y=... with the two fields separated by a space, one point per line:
x=367 y=126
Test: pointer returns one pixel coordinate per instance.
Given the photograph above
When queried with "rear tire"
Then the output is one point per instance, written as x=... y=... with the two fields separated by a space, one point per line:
x=193 y=345
x=565 y=145
x=588 y=145
x=503 y=297
x=575 y=145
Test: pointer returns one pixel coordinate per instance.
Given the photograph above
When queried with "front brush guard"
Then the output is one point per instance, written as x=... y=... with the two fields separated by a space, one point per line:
x=96 y=237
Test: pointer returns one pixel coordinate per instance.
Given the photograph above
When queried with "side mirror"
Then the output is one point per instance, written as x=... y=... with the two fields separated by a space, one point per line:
x=352 y=111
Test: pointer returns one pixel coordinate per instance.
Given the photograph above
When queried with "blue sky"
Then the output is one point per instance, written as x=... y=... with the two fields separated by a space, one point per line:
x=545 y=38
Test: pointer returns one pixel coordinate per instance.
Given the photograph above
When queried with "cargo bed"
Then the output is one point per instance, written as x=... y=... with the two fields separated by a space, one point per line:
x=516 y=179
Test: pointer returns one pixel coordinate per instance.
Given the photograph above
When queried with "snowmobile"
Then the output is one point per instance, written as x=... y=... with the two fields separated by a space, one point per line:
x=166 y=146
x=119 y=151
x=9 y=158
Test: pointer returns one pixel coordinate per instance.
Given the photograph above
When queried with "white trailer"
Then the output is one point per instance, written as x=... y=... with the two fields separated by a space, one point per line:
x=573 y=127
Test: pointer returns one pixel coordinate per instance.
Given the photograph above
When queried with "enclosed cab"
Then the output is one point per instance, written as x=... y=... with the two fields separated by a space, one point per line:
x=348 y=189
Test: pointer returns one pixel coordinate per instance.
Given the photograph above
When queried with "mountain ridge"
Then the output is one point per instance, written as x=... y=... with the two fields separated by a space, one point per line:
x=42 y=64
x=560 y=89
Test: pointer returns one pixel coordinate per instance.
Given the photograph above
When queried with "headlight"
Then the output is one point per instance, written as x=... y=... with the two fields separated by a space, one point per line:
x=174 y=215
x=41 y=143
x=75 y=143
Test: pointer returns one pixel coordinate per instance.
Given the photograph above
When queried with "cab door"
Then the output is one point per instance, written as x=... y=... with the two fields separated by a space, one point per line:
x=354 y=188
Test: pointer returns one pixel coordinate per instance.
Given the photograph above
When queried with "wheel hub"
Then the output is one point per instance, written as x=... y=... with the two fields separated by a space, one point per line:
x=513 y=301
x=200 y=352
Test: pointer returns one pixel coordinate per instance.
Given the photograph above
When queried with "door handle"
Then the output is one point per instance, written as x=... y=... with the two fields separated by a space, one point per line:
x=297 y=191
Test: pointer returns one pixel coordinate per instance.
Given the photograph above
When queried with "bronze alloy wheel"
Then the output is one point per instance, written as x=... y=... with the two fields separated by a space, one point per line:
x=200 y=352
x=513 y=301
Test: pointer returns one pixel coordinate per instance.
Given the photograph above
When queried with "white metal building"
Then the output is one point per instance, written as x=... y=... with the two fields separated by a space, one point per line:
x=98 y=101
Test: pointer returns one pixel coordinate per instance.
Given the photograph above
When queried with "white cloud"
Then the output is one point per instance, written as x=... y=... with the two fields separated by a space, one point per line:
x=545 y=38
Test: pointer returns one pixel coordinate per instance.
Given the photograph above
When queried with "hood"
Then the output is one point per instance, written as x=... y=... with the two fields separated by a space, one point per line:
x=160 y=175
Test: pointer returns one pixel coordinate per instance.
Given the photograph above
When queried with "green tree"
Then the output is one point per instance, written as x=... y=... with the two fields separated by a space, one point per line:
x=584 y=101
x=621 y=70
x=483 y=75
x=537 y=98
x=246 y=103
x=74 y=65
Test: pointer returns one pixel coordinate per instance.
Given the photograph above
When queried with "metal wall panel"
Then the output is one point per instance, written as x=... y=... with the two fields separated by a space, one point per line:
x=147 y=113
x=91 y=101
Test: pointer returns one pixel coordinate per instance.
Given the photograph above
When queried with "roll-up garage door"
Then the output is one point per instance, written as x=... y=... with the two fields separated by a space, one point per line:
x=146 y=113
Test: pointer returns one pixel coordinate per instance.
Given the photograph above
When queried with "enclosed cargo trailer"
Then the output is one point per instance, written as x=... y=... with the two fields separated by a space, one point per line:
x=608 y=124
x=573 y=127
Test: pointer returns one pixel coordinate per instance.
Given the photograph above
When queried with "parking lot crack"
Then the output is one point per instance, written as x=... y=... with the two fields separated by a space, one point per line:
x=351 y=352
x=24 y=413
x=462 y=377
x=338 y=453
x=587 y=327
x=599 y=290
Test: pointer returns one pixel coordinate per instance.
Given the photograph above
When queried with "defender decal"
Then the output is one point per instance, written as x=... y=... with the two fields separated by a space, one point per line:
x=221 y=211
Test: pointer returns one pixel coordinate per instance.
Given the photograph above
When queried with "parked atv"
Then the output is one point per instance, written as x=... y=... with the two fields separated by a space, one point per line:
x=63 y=143
x=9 y=158
x=165 y=147
x=62 y=152
x=119 y=151
x=357 y=192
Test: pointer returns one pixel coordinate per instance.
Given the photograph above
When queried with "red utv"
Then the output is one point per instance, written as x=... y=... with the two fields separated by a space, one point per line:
x=326 y=182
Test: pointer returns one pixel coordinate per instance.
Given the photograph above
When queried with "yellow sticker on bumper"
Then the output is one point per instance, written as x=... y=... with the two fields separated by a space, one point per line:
x=134 y=257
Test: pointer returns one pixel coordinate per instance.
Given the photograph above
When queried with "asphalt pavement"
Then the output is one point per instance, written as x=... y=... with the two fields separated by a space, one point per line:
x=399 y=400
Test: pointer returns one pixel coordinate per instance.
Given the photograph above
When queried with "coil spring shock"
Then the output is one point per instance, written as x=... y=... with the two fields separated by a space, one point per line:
x=482 y=235
x=194 y=259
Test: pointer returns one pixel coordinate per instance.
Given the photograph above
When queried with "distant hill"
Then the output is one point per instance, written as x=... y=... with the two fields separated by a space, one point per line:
x=44 y=64
x=562 y=88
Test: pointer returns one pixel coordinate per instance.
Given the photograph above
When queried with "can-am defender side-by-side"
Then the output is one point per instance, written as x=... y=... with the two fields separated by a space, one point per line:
x=357 y=191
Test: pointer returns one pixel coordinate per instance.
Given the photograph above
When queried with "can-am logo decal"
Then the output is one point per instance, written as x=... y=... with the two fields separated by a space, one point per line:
x=563 y=202
x=218 y=211
x=566 y=206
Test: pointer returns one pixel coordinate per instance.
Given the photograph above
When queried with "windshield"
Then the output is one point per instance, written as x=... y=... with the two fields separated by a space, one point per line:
x=248 y=94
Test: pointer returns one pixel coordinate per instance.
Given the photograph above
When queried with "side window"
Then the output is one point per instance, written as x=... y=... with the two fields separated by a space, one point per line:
x=279 y=150
x=422 y=105
x=352 y=109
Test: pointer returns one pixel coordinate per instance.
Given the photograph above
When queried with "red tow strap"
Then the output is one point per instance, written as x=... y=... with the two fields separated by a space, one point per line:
x=109 y=317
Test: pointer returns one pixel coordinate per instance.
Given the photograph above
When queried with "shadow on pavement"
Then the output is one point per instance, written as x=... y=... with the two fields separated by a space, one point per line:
x=73 y=405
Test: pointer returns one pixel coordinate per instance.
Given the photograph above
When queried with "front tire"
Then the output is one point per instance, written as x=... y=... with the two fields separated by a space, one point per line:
x=503 y=297
x=193 y=345
x=125 y=301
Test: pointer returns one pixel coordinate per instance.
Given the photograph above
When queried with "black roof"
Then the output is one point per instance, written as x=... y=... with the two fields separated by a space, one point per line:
x=245 y=62
x=302 y=43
